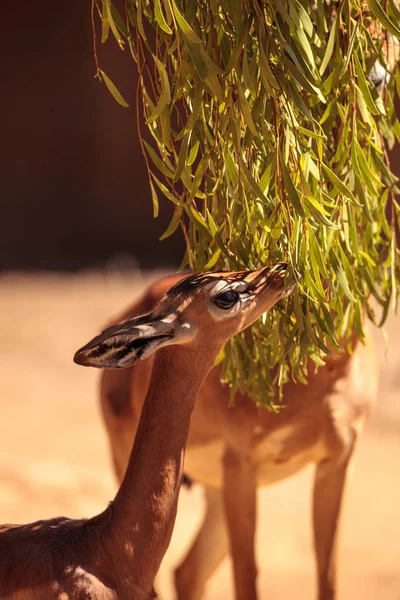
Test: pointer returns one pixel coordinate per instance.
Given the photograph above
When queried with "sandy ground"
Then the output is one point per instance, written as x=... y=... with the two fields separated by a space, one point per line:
x=54 y=457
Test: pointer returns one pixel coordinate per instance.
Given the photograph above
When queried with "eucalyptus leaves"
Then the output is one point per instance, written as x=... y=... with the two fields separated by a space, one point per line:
x=269 y=139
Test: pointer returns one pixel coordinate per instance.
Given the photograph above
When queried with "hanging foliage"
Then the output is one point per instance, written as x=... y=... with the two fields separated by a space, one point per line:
x=269 y=124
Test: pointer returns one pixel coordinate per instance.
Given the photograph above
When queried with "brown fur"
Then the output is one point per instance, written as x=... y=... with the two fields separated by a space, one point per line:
x=55 y=555
x=116 y=555
x=232 y=450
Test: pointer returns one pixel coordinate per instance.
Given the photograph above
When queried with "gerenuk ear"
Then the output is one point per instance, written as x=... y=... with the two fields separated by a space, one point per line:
x=123 y=344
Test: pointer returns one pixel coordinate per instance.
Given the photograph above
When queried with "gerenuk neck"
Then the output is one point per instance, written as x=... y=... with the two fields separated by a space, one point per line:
x=144 y=510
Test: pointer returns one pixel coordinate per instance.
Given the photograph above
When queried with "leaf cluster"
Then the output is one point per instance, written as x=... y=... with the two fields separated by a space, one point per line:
x=270 y=139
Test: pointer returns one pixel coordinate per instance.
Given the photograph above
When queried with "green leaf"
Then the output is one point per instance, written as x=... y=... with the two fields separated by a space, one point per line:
x=362 y=106
x=341 y=276
x=303 y=81
x=364 y=87
x=140 y=20
x=349 y=271
x=183 y=156
x=155 y=200
x=236 y=52
x=304 y=44
x=113 y=26
x=198 y=177
x=244 y=105
x=254 y=187
x=338 y=184
x=160 y=17
x=267 y=76
x=211 y=223
x=311 y=134
x=310 y=199
x=174 y=224
x=184 y=25
x=330 y=45
x=357 y=169
x=248 y=75
x=213 y=260
x=212 y=81
x=193 y=153
x=303 y=16
x=383 y=18
x=291 y=190
x=113 y=89
x=350 y=48
x=365 y=168
x=157 y=161
x=316 y=253
x=105 y=23
x=120 y=24
x=199 y=218
x=165 y=96
x=166 y=191
x=268 y=175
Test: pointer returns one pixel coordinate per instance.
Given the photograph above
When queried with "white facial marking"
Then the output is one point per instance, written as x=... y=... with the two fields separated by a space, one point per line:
x=245 y=298
x=146 y=329
x=179 y=309
x=170 y=319
x=238 y=286
x=215 y=286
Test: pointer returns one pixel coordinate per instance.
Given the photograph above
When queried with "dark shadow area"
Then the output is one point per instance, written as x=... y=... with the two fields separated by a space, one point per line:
x=75 y=190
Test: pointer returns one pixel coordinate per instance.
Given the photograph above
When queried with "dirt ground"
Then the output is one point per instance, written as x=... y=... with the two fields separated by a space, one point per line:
x=54 y=458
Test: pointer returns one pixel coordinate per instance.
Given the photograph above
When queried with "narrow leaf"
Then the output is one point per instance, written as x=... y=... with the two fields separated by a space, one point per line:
x=174 y=224
x=244 y=105
x=291 y=190
x=383 y=18
x=160 y=17
x=155 y=200
x=339 y=185
x=330 y=46
x=114 y=91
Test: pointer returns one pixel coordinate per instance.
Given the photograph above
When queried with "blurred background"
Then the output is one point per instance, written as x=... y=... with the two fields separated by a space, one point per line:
x=77 y=243
x=75 y=190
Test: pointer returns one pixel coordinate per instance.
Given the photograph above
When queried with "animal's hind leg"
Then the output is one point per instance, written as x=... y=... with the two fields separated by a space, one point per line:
x=240 y=486
x=207 y=552
x=330 y=480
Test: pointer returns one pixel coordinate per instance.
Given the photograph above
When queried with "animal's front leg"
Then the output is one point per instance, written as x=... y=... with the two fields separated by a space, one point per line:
x=240 y=485
x=208 y=550
x=330 y=479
